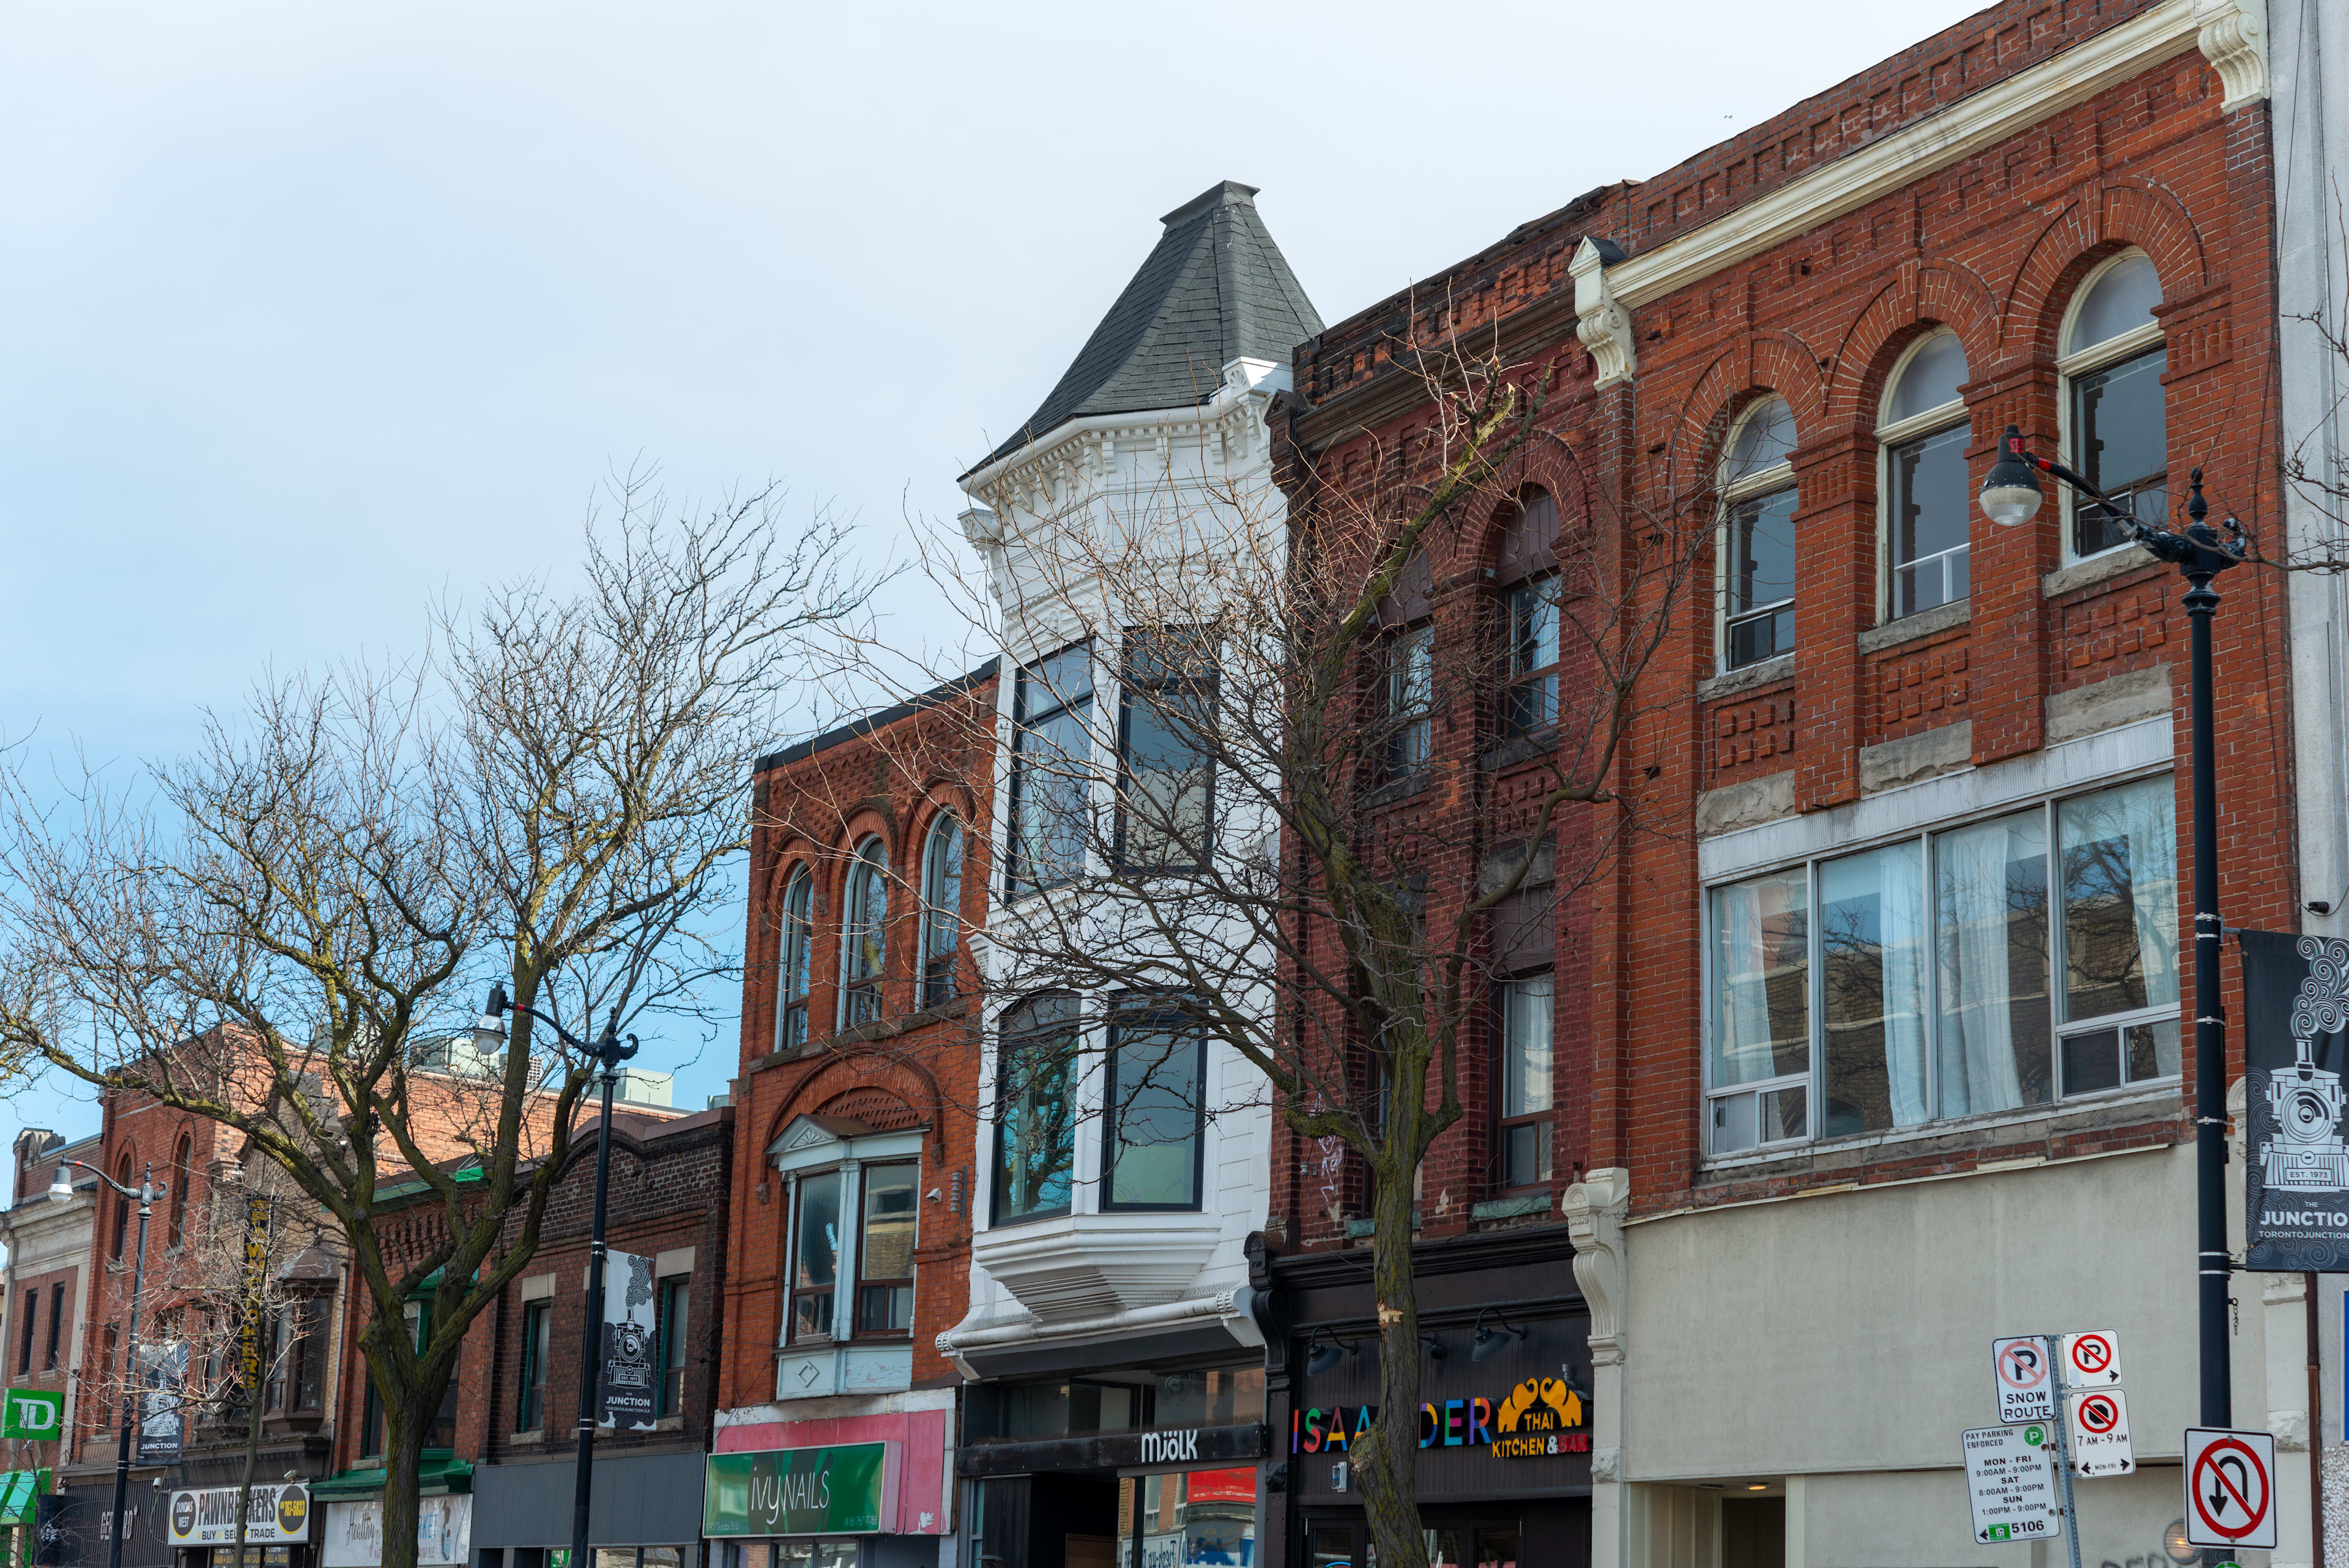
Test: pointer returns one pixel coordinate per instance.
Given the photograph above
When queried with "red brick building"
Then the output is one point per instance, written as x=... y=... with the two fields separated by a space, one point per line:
x=497 y=1472
x=46 y=1284
x=849 y=1250
x=1903 y=941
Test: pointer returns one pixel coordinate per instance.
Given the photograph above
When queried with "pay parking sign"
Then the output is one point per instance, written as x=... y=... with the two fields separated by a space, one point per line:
x=33 y=1416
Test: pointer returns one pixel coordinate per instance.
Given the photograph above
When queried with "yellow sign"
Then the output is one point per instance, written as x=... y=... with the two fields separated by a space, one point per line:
x=1538 y=1415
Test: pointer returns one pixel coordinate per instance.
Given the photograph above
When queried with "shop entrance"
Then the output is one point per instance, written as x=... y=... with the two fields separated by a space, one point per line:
x=1064 y=1521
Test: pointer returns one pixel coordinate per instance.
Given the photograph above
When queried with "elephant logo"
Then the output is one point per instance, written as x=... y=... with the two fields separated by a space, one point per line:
x=1557 y=1395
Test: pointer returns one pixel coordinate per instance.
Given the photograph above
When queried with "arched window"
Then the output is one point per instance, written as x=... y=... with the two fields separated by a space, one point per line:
x=1526 y=576
x=1406 y=717
x=2115 y=429
x=121 y=1207
x=1757 y=554
x=799 y=942
x=865 y=934
x=941 y=909
x=181 y=1158
x=1927 y=505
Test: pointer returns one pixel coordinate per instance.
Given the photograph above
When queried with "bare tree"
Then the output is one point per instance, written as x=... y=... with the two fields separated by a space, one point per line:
x=283 y=932
x=1231 y=813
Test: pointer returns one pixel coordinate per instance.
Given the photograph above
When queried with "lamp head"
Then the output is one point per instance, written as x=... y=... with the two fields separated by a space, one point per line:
x=1490 y=1342
x=2177 y=1544
x=61 y=1184
x=1324 y=1358
x=2010 y=495
x=489 y=1029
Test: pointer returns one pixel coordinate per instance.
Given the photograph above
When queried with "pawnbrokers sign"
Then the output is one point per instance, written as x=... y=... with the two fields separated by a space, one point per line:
x=848 y=1489
x=2296 y=1176
x=278 y=1515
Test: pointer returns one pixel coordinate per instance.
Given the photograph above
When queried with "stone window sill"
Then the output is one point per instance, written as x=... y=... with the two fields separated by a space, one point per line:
x=2099 y=569
x=1916 y=628
x=1968 y=1131
x=1751 y=678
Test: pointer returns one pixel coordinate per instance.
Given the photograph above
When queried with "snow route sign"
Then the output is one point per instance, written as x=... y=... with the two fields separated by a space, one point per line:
x=2026 y=1384
x=2010 y=1481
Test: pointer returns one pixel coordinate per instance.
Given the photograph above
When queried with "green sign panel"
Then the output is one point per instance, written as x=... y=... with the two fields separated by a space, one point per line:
x=796 y=1492
x=34 y=1415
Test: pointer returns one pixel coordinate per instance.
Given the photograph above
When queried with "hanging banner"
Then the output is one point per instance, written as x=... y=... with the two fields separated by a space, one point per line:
x=624 y=1394
x=256 y=1281
x=2296 y=1175
x=162 y=1383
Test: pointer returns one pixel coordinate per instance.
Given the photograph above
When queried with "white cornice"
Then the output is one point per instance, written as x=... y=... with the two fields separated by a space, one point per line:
x=2023 y=100
x=1248 y=388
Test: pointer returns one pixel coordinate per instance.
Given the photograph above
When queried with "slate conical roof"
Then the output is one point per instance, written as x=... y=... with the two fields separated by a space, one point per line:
x=1215 y=289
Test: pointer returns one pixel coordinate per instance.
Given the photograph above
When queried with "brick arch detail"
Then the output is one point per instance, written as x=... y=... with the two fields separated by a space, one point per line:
x=1940 y=295
x=852 y=1070
x=1769 y=361
x=2123 y=213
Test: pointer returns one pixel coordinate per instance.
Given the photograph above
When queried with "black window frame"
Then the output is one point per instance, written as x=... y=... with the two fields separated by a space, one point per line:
x=31 y=1305
x=1162 y=664
x=1158 y=1016
x=57 y=1323
x=672 y=1320
x=1025 y=1028
x=1019 y=877
x=1545 y=1118
x=530 y=1390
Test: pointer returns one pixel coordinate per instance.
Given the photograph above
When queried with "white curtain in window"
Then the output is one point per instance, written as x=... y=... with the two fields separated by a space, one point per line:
x=2147 y=812
x=1900 y=921
x=1740 y=1025
x=1977 y=1043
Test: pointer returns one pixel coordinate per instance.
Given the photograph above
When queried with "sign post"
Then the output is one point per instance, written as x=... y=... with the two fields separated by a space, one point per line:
x=2064 y=1451
x=2058 y=1392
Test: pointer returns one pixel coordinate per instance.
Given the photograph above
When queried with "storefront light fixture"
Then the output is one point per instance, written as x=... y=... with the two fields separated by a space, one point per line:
x=2175 y=1543
x=1323 y=1358
x=1433 y=1346
x=1490 y=1342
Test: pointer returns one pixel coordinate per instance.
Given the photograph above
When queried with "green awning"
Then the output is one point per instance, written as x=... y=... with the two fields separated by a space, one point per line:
x=17 y=1490
x=441 y=1473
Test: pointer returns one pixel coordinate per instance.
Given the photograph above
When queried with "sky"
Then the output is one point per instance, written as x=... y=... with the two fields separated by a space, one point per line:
x=310 y=314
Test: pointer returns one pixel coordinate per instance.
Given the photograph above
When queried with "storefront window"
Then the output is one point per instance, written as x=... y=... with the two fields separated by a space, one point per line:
x=1156 y=1109
x=885 y=1285
x=1191 y=1517
x=1211 y=1397
x=1036 y=1139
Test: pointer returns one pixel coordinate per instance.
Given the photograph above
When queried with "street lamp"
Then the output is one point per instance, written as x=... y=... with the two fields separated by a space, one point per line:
x=607 y=1053
x=145 y=1193
x=2011 y=496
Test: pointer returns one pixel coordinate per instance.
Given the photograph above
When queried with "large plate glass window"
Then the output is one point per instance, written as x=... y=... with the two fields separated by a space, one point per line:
x=1928 y=506
x=1757 y=540
x=1052 y=757
x=1035 y=1110
x=1166 y=774
x=2116 y=424
x=865 y=935
x=1957 y=973
x=1155 y=1107
x=941 y=909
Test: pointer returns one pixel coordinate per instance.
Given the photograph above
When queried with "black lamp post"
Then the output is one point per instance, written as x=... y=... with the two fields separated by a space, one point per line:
x=2011 y=496
x=607 y=1053
x=145 y=1193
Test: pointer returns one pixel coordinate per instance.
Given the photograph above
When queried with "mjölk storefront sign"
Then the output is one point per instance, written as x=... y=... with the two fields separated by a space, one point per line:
x=844 y=1489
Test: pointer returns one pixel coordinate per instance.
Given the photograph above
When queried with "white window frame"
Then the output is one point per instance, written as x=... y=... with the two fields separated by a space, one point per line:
x=795 y=1157
x=798 y=936
x=2111 y=351
x=1813 y=1079
x=1779 y=475
x=1891 y=433
x=878 y=981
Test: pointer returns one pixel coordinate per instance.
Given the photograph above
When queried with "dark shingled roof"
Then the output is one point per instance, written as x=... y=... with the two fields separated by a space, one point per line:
x=1215 y=289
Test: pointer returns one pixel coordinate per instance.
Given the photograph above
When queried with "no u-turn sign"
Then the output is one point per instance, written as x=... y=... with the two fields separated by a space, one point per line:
x=2229 y=1488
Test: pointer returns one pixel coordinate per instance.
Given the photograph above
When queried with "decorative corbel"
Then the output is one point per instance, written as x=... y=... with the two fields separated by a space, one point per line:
x=1596 y=1208
x=2233 y=36
x=1601 y=321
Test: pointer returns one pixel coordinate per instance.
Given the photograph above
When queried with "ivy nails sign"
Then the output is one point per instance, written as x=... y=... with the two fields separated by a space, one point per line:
x=844 y=1489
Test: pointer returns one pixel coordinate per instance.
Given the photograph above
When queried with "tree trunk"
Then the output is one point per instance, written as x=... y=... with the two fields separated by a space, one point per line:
x=406 y=1424
x=1389 y=1462
x=251 y=1453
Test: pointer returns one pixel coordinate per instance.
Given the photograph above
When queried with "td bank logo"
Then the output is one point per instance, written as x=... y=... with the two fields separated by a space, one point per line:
x=33 y=1415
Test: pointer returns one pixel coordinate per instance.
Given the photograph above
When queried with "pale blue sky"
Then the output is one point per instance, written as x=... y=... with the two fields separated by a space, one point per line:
x=309 y=312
